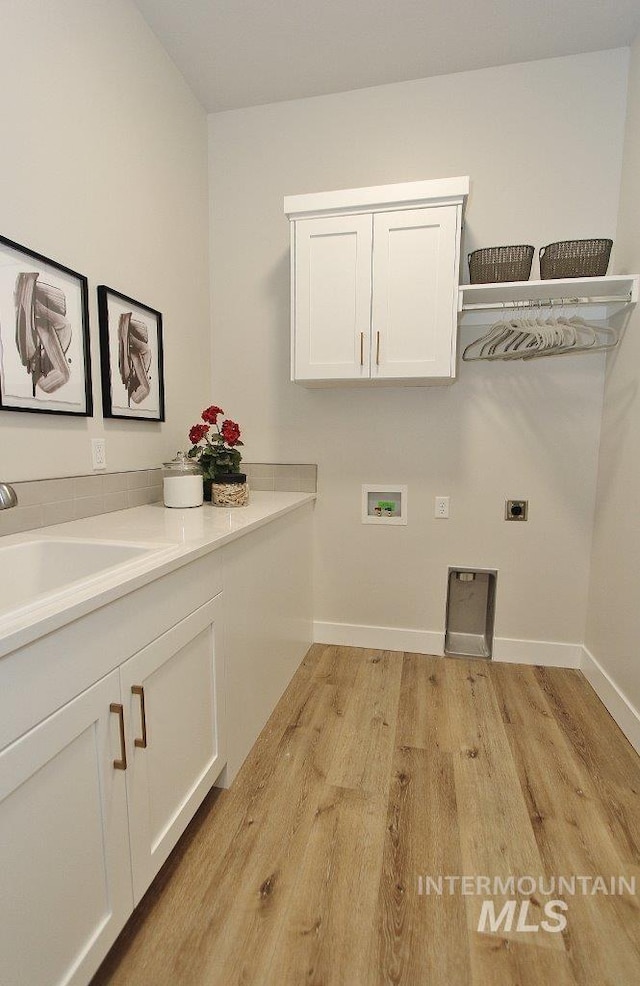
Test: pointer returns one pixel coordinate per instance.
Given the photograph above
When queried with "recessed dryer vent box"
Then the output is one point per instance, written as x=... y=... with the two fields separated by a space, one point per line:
x=471 y=600
x=384 y=504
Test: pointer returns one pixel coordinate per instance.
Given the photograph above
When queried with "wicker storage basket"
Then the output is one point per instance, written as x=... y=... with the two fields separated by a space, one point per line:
x=503 y=263
x=575 y=258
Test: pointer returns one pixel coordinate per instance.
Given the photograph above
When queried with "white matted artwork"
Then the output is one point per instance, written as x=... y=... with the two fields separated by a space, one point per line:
x=384 y=503
x=131 y=356
x=44 y=334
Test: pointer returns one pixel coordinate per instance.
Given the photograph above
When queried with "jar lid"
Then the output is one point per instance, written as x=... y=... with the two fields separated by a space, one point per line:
x=183 y=465
x=227 y=478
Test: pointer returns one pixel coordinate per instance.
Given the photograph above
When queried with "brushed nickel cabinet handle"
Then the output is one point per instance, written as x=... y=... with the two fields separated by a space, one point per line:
x=362 y=349
x=377 y=349
x=119 y=711
x=141 y=742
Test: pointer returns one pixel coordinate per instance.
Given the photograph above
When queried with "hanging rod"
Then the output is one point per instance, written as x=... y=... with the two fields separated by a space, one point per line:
x=621 y=300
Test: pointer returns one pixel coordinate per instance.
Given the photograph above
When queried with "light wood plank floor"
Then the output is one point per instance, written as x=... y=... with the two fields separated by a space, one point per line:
x=377 y=768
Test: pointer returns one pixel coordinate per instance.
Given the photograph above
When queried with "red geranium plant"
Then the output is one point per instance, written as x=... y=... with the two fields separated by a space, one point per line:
x=215 y=450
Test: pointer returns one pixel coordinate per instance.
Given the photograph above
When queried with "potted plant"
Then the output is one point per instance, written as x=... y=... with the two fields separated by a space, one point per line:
x=215 y=447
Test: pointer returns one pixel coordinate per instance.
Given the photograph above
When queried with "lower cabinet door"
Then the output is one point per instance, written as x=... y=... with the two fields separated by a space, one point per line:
x=173 y=692
x=65 y=889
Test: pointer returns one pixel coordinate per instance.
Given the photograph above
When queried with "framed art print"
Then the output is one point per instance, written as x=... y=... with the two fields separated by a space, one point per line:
x=45 y=364
x=131 y=357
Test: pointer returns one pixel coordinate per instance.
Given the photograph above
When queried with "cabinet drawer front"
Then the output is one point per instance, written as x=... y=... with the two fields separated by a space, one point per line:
x=332 y=306
x=414 y=292
x=174 y=697
x=64 y=847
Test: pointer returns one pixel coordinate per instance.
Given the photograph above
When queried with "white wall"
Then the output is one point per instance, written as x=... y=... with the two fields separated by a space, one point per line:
x=104 y=169
x=542 y=143
x=613 y=630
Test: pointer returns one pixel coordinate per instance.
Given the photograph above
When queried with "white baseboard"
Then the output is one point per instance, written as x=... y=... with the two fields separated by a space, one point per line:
x=614 y=700
x=379 y=638
x=541 y=652
x=544 y=653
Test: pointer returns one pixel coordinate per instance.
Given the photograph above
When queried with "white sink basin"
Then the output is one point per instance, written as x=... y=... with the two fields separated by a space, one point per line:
x=32 y=569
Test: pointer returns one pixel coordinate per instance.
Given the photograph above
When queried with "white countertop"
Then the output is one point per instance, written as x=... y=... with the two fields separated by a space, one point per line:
x=177 y=537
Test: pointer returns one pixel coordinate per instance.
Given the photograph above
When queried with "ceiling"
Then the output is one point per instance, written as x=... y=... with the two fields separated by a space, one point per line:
x=236 y=53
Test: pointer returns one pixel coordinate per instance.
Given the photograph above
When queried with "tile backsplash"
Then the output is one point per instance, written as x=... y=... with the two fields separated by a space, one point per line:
x=42 y=502
x=281 y=476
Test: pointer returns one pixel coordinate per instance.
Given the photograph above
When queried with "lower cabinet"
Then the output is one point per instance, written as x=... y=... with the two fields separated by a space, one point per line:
x=93 y=799
x=64 y=844
x=174 y=705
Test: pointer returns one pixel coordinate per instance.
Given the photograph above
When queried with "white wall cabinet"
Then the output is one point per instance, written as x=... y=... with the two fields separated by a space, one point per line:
x=374 y=283
x=93 y=799
x=332 y=314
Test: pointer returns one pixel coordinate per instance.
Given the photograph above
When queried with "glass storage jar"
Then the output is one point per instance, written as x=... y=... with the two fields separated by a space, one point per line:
x=182 y=482
x=230 y=490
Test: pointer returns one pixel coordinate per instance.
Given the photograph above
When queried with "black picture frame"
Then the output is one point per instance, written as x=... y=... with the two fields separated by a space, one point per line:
x=45 y=357
x=131 y=357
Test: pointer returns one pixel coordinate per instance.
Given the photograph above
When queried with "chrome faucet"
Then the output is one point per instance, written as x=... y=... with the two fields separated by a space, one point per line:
x=8 y=496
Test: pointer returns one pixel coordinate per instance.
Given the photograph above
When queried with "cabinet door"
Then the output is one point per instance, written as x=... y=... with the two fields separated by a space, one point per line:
x=415 y=257
x=332 y=298
x=64 y=845
x=173 y=692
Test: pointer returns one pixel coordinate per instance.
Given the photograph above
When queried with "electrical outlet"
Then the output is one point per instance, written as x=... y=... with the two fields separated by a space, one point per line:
x=516 y=510
x=442 y=507
x=99 y=453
